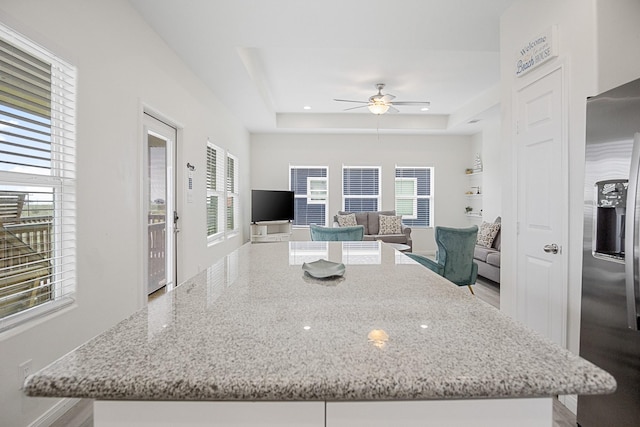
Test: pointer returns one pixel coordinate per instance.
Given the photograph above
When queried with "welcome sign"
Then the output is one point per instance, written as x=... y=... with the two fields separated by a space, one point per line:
x=536 y=51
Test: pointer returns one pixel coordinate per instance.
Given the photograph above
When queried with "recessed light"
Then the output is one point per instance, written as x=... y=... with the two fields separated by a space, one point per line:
x=306 y=107
x=424 y=109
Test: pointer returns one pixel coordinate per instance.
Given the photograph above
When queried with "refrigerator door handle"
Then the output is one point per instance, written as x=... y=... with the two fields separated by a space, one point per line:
x=632 y=242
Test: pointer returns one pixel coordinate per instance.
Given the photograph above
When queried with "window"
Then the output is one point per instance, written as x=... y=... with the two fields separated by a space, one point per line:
x=215 y=192
x=360 y=188
x=222 y=187
x=37 y=180
x=414 y=190
x=233 y=208
x=311 y=188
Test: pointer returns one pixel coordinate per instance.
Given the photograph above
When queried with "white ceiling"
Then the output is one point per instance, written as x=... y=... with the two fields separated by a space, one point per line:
x=267 y=59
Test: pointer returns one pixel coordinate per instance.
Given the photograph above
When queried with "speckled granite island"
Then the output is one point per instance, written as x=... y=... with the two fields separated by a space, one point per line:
x=253 y=340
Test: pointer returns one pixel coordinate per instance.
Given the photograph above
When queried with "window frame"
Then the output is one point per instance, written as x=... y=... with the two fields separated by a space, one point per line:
x=314 y=199
x=232 y=194
x=413 y=198
x=377 y=197
x=218 y=191
x=310 y=200
x=429 y=197
x=58 y=174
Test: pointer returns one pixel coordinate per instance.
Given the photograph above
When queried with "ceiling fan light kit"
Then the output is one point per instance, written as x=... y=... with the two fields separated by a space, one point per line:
x=378 y=108
x=381 y=103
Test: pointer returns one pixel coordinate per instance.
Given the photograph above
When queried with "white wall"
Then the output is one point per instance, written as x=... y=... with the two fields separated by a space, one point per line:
x=492 y=172
x=618 y=35
x=122 y=65
x=576 y=36
x=487 y=144
x=271 y=155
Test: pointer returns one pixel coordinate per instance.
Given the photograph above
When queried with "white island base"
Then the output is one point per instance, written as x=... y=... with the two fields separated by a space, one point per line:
x=522 y=412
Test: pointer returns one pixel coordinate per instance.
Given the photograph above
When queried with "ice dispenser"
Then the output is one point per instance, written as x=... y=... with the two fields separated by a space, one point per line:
x=611 y=200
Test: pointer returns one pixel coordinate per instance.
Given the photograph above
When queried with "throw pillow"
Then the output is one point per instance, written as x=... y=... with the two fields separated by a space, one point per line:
x=487 y=233
x=348 y=220
x=390 y=224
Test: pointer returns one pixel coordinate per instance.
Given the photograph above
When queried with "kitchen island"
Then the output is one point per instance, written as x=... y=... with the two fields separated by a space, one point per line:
x=254 y=339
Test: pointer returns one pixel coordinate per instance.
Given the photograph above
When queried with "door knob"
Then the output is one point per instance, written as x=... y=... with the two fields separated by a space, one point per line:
x=552 y=248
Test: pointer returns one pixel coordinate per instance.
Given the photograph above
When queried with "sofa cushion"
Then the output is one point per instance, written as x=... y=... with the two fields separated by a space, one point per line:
x=496 y=242
x=487 y=233
x=374 y=221
x=494 y=259
x=361 y=219
x=348 y=220
x=390 y=224
x=480 y=253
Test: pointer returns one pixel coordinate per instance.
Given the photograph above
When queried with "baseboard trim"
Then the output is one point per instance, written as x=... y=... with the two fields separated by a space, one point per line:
x=55 y=412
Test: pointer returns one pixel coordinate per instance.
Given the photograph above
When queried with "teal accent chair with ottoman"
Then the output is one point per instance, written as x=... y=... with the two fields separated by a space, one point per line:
x=454 y=257
x=340 y=234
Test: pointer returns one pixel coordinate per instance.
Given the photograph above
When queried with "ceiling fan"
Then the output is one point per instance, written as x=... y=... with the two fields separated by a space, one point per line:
x=381 y=103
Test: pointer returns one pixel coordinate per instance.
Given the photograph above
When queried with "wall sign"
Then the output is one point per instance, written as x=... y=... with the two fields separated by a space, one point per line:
x=537 y=51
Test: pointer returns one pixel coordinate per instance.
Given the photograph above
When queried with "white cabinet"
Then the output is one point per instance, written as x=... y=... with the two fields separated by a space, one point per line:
x=127 y=413
x=523 y=412
x=529 y=412
x=473 y=195
x=271 y=231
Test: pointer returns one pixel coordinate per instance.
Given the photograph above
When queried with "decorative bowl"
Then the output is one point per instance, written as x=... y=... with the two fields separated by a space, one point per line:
x=322 y=268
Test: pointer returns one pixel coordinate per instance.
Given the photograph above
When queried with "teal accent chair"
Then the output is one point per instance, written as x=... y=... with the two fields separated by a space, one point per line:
x=454 y=257
x=336 y=234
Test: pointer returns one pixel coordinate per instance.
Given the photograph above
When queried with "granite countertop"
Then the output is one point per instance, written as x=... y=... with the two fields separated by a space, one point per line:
x=254 y=327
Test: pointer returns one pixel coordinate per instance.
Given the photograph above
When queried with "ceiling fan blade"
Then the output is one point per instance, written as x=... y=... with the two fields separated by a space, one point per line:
x=392 y=110
x=353 y=108
x=388 y=97
x=425 y=103
x=349 y=100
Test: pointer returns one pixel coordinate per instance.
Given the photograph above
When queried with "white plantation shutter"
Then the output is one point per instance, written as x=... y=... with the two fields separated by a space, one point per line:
x=311 y=191
x=233 y=197
x=414 y=195
x=215 y=191
x=360 y=188
x=37 y=180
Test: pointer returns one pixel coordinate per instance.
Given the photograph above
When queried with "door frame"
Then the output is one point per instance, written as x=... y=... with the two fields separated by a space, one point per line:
x=142 y=295
x=533 y=78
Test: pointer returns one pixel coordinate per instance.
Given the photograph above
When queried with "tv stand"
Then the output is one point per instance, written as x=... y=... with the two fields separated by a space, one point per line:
x=270 y=231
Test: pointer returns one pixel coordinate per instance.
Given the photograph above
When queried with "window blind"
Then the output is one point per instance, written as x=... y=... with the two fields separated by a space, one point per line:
x=215 y=191
x=233 y=209
x=360 y=188
x=414 y=189
x=37 y=180
x=310 y=187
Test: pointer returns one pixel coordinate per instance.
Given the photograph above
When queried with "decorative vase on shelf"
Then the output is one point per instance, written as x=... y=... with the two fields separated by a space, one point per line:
x=477 y=165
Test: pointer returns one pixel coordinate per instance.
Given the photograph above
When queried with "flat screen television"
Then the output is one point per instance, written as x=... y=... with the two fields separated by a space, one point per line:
x=271 y=205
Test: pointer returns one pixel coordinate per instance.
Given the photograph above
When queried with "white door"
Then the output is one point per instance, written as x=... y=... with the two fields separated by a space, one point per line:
x=159 y=201
x=541 y=285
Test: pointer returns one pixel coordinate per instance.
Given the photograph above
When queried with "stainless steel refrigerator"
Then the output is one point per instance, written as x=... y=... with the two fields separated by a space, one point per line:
x=609 y=335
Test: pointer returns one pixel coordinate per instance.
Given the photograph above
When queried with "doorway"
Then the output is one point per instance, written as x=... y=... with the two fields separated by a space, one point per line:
x=160 y=216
